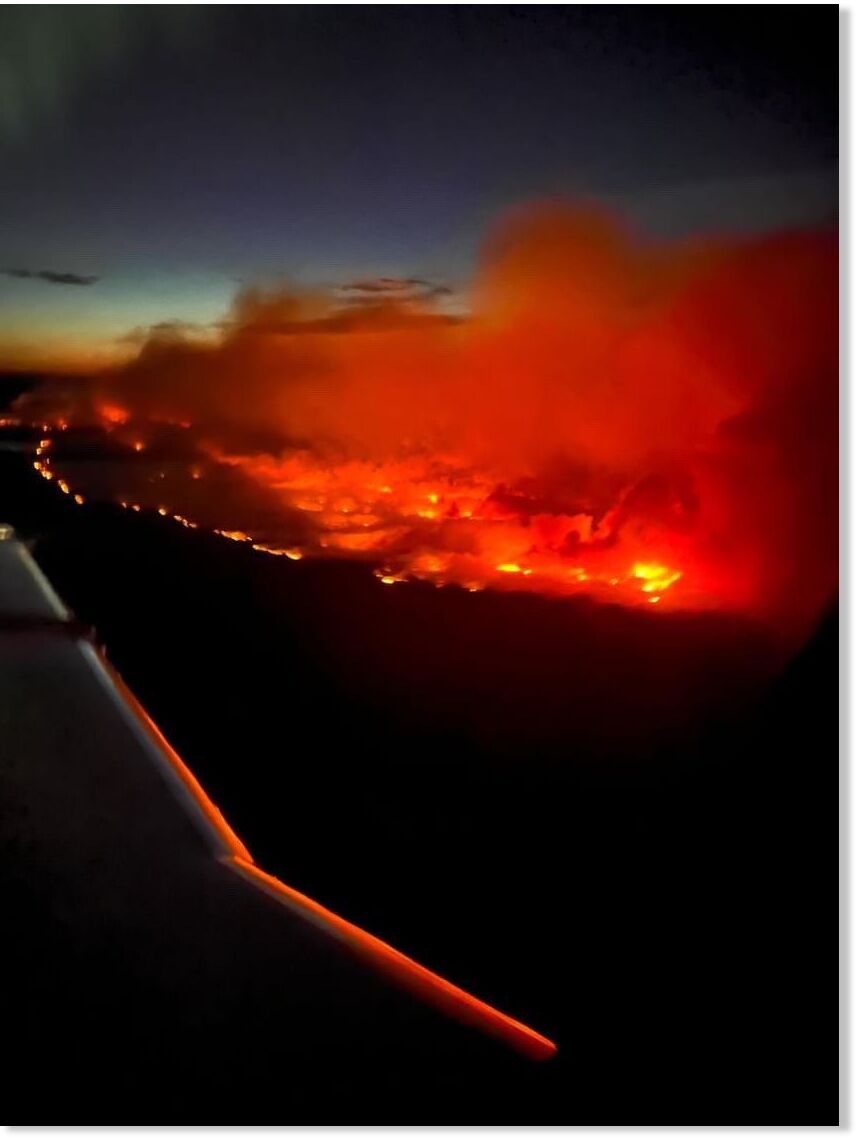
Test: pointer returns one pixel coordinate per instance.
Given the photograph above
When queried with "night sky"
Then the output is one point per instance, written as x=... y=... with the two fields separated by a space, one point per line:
x=174 y=154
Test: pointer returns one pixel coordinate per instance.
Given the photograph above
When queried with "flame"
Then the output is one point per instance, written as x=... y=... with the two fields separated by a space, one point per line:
x=655 y=578
x=471 y=536
x=112 y=414
x=394 y=508
x=234 y=535
x=609 y=417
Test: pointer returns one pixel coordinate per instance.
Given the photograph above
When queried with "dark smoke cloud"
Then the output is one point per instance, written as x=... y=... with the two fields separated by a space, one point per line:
x=52 y=276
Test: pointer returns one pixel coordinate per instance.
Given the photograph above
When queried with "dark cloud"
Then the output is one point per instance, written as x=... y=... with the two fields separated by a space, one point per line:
x=367 y=318
x=375 y=290
x=388 y=285
x=176 y=327
x=165 y=330
x=51 y=276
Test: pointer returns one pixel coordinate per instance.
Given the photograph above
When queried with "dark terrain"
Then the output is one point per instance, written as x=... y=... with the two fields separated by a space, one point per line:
x=620 y=828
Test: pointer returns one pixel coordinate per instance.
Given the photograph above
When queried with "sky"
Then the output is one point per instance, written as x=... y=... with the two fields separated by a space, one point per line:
x=155 y=160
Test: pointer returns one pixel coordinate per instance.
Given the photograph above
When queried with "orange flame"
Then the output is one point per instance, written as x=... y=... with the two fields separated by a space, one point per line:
x=650 y=424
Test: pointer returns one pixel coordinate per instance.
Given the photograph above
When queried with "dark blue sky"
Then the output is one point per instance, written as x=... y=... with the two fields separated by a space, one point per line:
x=170 y=152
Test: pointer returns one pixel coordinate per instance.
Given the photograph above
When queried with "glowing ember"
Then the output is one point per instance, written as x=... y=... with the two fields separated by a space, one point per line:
x=112 y=414
x=234 y=535
x=475 y=534
x=654 y=578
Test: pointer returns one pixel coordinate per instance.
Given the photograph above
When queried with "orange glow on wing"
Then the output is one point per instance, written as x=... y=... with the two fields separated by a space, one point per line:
x=424 y=983
x=214 y=817
x=400 y=969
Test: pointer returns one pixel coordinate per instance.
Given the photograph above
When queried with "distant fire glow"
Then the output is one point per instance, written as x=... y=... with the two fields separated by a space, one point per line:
x=648 y=425
x=428 y=520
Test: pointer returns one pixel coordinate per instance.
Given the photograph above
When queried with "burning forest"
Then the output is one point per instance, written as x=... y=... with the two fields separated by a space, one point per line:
x=648 y=424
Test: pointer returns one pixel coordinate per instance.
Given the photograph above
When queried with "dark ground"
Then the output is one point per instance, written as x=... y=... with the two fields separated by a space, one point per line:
x=614 y=826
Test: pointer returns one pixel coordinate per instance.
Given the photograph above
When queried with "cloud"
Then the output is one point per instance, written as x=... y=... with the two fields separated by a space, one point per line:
x=396 y=287
x=51 y=276
x=165 y=330
x=388 y=285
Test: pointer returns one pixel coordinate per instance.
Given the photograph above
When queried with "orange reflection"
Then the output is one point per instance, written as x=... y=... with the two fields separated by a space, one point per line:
x=425 y=984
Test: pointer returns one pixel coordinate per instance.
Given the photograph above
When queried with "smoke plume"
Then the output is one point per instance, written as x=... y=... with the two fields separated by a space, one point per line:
x=604 y=410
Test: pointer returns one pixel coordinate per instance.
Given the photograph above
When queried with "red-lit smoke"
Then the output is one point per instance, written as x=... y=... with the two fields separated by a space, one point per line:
x=645 y=422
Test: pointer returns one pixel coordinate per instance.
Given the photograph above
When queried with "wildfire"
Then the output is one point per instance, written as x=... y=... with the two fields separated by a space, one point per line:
x=468 y=535
x=612 y=417
x=446 y=545
x=655 y=578
x=438 y=521
x=234 y=535
x=112 y=415
x=294 y=555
